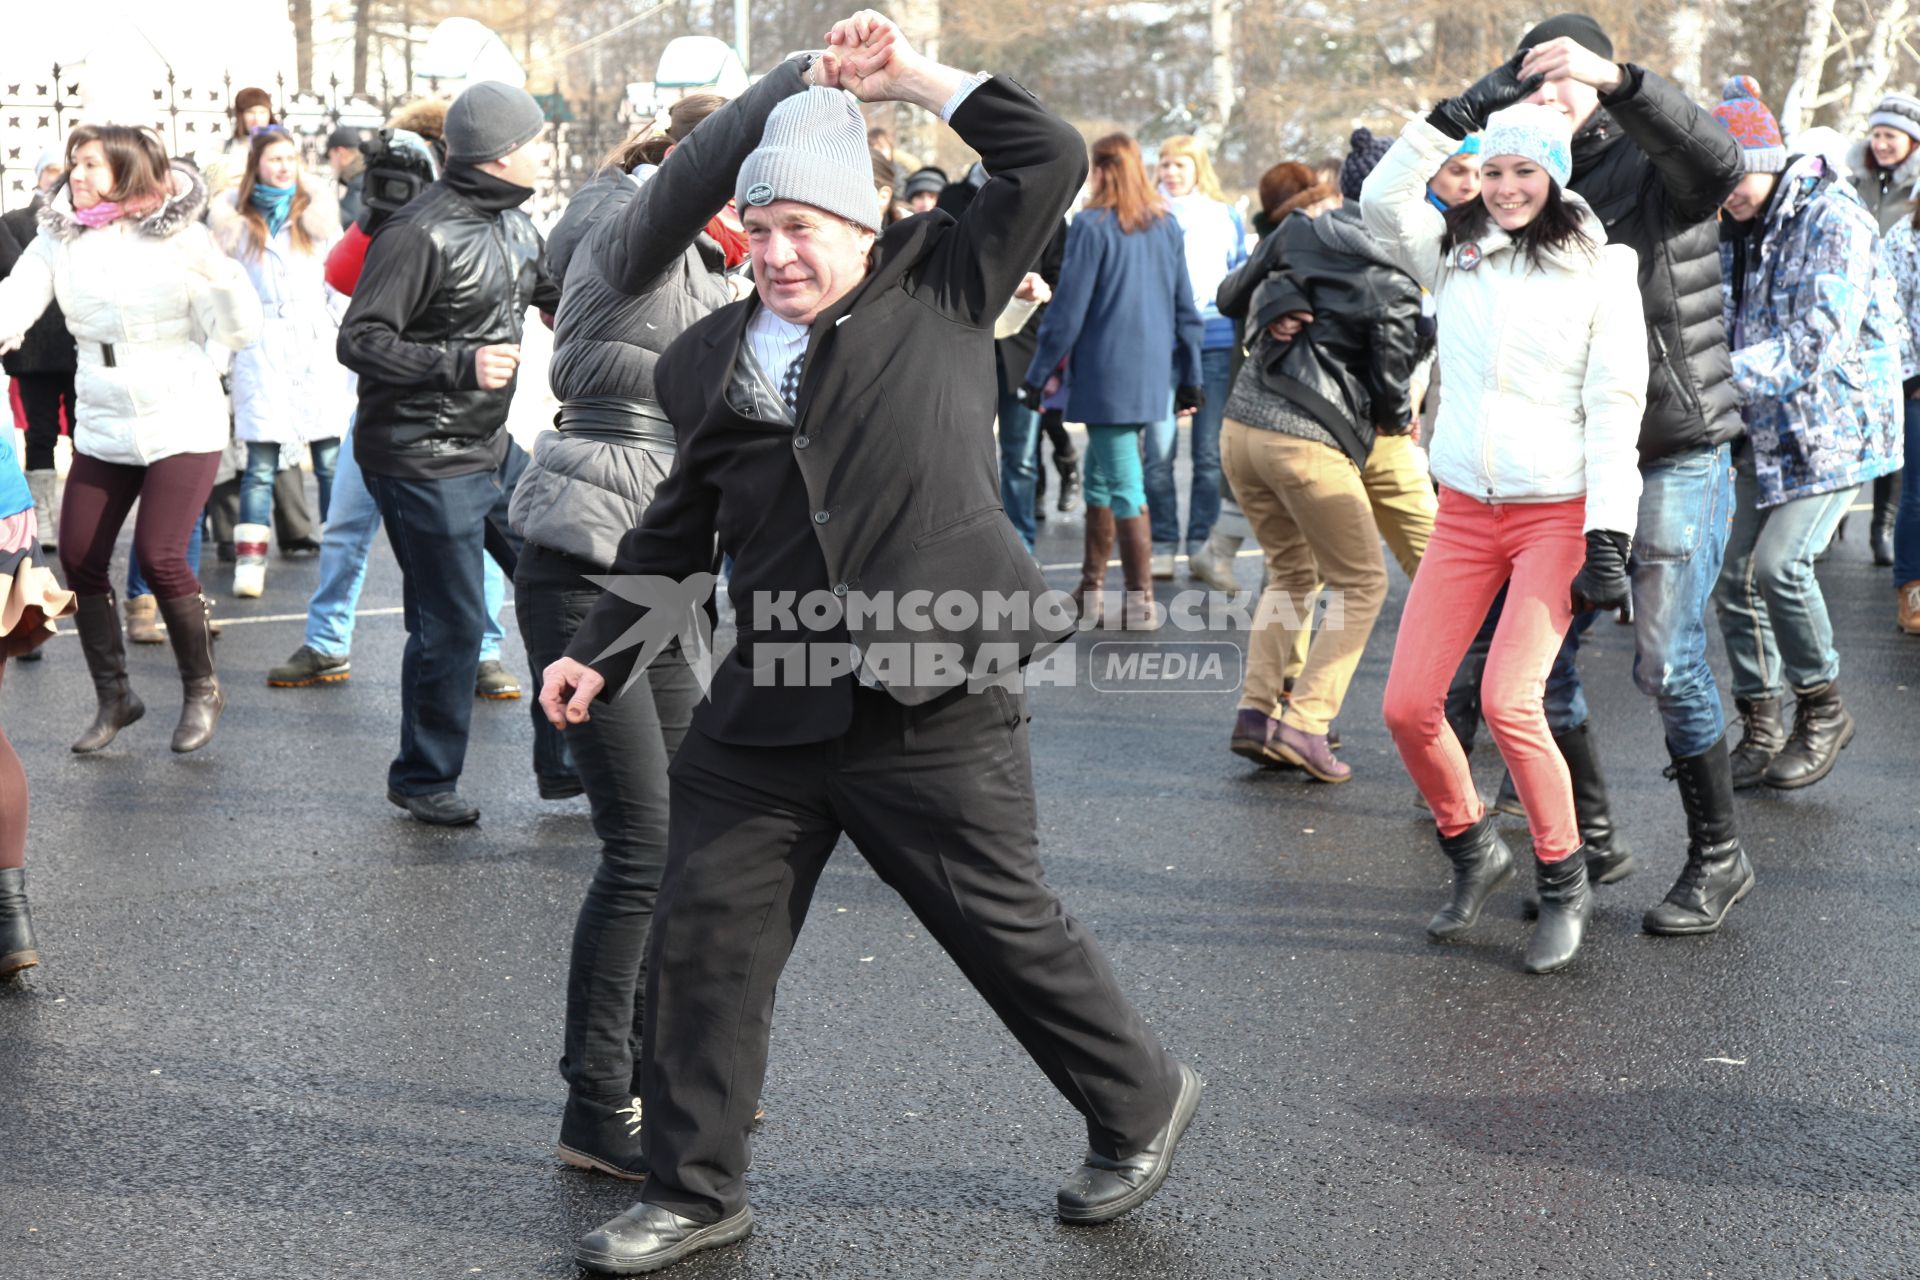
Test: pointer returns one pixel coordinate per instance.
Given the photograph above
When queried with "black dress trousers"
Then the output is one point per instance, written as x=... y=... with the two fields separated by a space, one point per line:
x=939 y=799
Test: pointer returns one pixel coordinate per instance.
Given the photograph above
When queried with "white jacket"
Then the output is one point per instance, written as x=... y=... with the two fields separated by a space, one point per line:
x=141 y=298
x=288 y=387
x=1544 y=369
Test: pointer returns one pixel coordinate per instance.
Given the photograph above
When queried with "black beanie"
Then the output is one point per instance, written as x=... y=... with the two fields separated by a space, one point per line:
x=1584 y=31
x=1366 y=152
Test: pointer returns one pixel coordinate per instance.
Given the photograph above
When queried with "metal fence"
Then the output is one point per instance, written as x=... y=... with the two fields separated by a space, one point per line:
x=193 y=118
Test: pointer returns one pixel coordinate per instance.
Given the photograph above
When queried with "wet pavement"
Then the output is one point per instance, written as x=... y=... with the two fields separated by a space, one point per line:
x=282 y=1030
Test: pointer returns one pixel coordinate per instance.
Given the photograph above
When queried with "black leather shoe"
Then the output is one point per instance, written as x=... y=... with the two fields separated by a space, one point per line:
x=1822 y=727
x=1717 y=873
x=441 y=808
x=602 y=1135
x=1762 y=734
x=1714 y=878
x=1102 y=1189
x=646 y=1238
x=18 y=950
x=1566 y=902
x=1481 y=864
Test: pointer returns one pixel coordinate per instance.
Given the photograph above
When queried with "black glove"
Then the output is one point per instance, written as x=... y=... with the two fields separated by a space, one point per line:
x=1602 y=582
x=1500 y=87
x=1185 y=398
x=1030 y=396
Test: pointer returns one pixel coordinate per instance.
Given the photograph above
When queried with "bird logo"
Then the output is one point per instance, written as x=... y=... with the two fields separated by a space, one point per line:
x=675 y=610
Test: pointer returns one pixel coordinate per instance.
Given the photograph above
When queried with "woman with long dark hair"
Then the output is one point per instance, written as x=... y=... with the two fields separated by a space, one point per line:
x=1544 y=357
x=143 y=287
x=654 y=250
x=288 y=388
x=1124 y=319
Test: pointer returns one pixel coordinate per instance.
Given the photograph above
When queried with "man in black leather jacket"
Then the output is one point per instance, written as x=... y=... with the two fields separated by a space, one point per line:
x=1654 y=166
x=434 y=333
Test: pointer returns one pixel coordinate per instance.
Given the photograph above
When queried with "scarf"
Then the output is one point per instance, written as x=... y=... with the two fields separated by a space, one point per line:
x=99 y=215
x=725 y=228
x=274 y=204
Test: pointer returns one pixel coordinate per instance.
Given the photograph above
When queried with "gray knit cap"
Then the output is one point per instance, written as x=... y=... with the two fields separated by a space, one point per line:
x=1898 y=111
x=490 y=119
x=814 y=150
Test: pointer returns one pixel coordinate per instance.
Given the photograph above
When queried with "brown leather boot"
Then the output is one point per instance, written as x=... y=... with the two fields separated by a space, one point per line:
x=98 y=623
x=1089 y=596
x=202 y=701
x=1138 y=610
x=1910 y=608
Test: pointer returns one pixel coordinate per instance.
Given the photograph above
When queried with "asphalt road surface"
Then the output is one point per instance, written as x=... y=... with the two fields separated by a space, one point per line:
x=283 y=1031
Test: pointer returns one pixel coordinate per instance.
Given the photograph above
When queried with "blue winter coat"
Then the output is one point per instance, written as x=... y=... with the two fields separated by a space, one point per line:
x=1124 y=312
x=1815 y=332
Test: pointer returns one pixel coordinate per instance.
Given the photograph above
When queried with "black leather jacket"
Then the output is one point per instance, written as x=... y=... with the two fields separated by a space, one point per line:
x=1352 y=373
x=1655 y=166
x=452 y=272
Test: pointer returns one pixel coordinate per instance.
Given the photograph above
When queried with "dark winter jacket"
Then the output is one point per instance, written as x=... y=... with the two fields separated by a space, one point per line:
x=888 y=482
x=49 y=347
x=452 y=272
x=1353 y=374
x=1011 y=356
x=1655 y=166
x=640 y=271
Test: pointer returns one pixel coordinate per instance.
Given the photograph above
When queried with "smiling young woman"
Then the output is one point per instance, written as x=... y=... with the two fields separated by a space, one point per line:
x=1544 y=354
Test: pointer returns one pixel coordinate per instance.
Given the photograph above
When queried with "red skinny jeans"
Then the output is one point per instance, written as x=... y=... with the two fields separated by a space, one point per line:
x=1476 y=546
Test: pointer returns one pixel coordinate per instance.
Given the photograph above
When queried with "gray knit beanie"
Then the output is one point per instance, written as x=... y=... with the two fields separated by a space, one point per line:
x=490 y=119
x=814 y=150
x=1898 y=111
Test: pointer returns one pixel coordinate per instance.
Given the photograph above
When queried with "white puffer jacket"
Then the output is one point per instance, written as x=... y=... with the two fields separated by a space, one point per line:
x=1545 y=369
x=142 y=297
x=289 y=387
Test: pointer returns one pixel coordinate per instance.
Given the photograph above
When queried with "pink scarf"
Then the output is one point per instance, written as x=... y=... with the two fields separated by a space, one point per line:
x=99 y=215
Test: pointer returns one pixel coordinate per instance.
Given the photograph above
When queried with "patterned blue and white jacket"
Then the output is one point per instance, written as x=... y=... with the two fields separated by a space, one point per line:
x=1816 y=335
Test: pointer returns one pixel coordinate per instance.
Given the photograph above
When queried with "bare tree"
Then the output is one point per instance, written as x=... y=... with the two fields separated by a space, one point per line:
x=301 y=13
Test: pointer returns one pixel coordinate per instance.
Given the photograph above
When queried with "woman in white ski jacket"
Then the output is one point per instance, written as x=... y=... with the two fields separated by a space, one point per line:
x=143 y=288
x=1544 y=357
x=289 y=388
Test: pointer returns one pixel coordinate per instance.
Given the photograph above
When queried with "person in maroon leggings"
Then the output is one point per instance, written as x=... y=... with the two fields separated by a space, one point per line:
x=143 y=287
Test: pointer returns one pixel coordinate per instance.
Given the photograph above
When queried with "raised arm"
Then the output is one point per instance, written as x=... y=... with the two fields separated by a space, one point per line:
x=1035 y=162
x=1394 y=205
x=1697 y=159
x=654 y=228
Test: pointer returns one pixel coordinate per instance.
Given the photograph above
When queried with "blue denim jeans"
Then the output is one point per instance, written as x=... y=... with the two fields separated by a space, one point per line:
x=1686 y=505
x=263 y=464
x=137 y=582
x=353 y=520
x=1112 y=475
x=443 y=532
x=1019 y=433
x=1772 y=614
x=1163 y=443
x=1906 y=523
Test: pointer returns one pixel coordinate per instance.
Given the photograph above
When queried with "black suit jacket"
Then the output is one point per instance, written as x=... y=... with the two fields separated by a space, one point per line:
x=889 y=482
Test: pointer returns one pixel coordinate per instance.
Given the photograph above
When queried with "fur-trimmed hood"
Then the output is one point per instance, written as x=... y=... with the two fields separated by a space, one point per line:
x=321 y=219
x=182 y=209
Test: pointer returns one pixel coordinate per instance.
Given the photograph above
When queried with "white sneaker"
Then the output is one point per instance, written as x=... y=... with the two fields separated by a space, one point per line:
x=1213 y=566
x=1163 y=565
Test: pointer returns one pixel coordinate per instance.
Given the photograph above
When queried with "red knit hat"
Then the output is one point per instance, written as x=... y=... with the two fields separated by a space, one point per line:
x=1741 y=110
